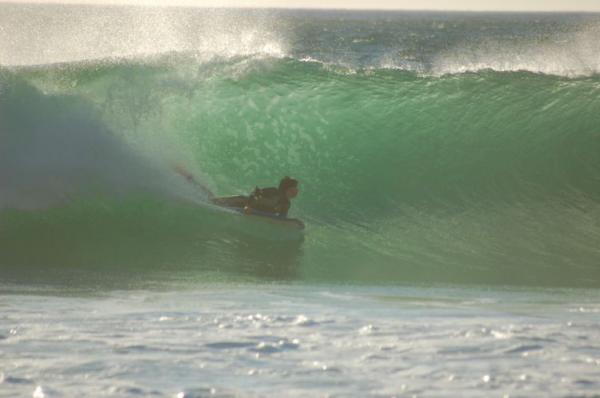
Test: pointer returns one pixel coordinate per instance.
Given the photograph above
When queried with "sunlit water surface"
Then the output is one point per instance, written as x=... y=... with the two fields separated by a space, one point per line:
x=248 y=340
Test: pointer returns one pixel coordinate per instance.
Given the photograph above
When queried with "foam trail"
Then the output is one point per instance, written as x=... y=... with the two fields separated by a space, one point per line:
x=56 y=148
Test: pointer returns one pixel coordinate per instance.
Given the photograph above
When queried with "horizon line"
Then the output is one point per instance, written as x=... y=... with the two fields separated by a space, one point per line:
x=187 y=4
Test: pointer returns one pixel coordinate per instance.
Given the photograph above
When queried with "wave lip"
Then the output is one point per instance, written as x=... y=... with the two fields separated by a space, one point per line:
x=572 y=55
x=347 y=42
x=42 y=35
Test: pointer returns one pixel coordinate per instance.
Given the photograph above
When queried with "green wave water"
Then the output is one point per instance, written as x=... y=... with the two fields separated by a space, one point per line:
x=482 y=177
x=449 y=183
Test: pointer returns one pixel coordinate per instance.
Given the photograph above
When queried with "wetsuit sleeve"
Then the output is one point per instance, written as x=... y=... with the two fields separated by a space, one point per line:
x=261 y=199
x=283 y=212
x=268 y=200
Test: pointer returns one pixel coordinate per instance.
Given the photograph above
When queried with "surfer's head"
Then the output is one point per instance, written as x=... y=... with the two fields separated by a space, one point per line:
x=289 y=187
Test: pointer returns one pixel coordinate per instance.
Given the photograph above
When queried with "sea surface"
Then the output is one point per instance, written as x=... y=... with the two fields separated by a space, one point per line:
x=449 y=168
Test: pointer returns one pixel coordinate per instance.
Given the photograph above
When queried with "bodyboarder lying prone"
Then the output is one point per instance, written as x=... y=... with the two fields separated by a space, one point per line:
x=272 y=201
x=275 y=201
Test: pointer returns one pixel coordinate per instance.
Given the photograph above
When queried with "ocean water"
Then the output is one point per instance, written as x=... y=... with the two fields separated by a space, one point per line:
x=449 y=168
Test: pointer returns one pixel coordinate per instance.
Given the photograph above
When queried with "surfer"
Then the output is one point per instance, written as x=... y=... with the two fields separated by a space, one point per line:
x=276 y=201
x=269 y=201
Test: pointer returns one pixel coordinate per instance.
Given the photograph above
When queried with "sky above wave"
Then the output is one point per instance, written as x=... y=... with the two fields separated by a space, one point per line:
x=473 y=5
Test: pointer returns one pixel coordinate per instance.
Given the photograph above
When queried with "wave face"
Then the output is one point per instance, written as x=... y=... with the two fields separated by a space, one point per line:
x=424 y=155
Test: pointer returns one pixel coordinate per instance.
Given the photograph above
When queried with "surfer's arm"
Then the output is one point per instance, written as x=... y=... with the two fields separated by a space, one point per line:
x=284 y=211
x=190 y=178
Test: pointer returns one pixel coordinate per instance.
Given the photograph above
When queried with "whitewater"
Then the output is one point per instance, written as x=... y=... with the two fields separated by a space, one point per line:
x=449 y=176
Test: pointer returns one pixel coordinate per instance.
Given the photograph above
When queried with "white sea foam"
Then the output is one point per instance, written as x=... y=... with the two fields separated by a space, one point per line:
x=125 y=344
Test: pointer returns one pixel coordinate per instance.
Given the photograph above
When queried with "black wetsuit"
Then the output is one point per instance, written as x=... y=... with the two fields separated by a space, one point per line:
x=268 y=200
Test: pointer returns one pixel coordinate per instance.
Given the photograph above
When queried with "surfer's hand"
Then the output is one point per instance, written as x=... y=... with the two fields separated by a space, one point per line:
x=247 y=210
